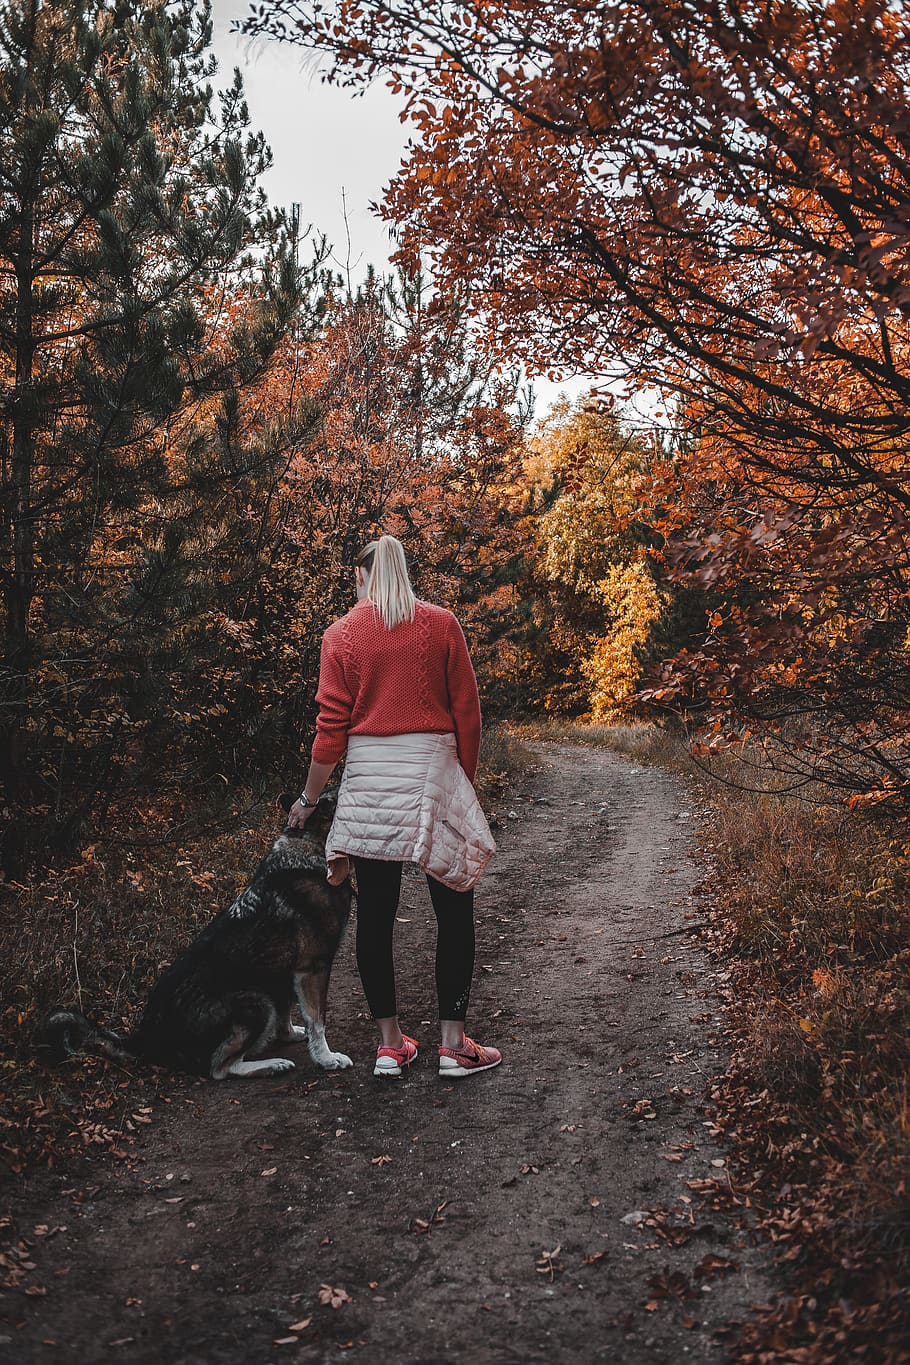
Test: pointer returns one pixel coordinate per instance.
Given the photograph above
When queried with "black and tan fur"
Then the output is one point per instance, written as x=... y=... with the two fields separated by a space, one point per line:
x=229 y=997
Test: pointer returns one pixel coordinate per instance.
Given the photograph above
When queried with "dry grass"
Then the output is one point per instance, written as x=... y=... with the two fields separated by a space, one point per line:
x=96 y=933
x=816 y=884
x=813 y=917
x=502 y=758
x=640 y=740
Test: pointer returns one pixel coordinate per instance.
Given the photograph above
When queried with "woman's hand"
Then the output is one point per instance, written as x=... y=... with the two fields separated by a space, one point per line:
x=316 y=779
x=299 y=814
x=339 y=869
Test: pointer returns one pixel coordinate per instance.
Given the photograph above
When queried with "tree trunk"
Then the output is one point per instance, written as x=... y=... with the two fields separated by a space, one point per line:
x=22 y=581
x=15 y=771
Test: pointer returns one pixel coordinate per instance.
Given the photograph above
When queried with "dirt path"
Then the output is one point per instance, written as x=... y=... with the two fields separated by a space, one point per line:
x=590 y=1142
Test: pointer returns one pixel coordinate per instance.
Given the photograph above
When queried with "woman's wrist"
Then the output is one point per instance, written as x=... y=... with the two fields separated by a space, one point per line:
x=317 y=776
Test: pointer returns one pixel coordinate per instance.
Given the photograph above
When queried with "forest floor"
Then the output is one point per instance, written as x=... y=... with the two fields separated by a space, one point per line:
x=573 y=1205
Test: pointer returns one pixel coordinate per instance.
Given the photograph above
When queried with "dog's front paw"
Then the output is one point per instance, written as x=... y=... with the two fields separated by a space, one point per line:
x=267 y=1066
x=336 y=1061
x=277 y=1066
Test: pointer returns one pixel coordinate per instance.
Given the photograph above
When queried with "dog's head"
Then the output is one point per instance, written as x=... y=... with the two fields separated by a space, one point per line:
x=319 y=823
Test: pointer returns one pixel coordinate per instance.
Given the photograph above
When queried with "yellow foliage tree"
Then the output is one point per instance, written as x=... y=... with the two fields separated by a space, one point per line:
x=587 y=468
x=633 y=603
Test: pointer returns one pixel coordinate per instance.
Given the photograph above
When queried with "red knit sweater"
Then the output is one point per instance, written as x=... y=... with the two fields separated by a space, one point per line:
x=415 y=677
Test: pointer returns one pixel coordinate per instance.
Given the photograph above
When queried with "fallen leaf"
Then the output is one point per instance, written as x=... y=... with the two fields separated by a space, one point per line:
x=715 y=1265
x=548 y=1264
x=272 y=1170
x=382 y=1160
x=300 y=1326
x=334 y=1297
x=671 y=1284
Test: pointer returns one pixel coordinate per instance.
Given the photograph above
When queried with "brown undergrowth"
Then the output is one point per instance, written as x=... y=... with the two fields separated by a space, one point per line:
x=813 y=921
x=94 y=934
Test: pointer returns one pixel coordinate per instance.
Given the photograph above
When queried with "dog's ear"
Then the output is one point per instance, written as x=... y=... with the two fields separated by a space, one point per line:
x=323 y=814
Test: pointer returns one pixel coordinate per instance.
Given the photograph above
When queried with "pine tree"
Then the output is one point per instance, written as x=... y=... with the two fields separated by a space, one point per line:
x=144 y=285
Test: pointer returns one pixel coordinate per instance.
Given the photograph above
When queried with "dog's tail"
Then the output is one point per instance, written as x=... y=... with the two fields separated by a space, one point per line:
x=65 y=1032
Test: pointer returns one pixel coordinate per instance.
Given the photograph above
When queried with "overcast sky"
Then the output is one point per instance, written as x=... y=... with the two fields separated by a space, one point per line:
x=328 y=146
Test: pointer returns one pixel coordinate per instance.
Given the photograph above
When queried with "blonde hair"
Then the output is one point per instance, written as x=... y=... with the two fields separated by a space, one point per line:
x=389 y=587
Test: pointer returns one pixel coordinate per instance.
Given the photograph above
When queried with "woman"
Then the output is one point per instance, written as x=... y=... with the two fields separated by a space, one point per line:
x=397 y=694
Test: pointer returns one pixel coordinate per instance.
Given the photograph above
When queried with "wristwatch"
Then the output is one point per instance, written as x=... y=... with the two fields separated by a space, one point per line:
x=305 y=800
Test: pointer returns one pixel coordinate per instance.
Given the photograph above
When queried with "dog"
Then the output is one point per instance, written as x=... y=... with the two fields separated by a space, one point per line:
x=229 y=997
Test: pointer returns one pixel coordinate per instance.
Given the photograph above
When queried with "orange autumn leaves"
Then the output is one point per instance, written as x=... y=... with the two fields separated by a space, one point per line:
x=712 y=202
x=414 y=433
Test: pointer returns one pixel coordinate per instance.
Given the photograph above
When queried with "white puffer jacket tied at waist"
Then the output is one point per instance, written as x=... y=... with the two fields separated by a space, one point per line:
x=406 y=798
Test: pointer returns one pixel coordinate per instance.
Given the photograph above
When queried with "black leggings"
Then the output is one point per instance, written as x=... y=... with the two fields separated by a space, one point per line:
x=378 y=889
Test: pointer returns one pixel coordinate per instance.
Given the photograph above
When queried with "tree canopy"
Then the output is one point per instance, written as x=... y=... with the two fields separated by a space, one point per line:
x=714 y=200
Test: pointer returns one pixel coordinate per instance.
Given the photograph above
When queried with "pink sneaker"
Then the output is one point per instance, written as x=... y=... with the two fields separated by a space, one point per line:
x=467 y=1059
x=390 y=1060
